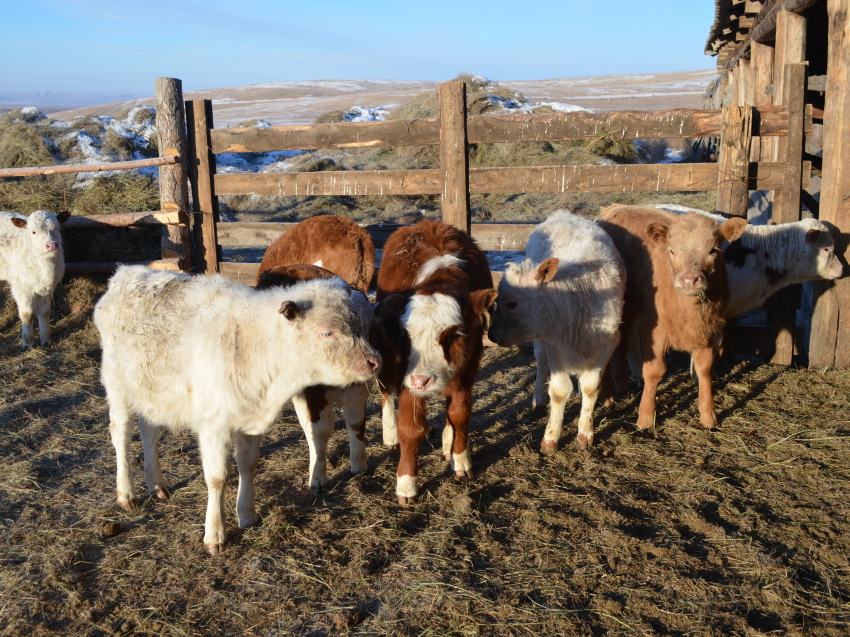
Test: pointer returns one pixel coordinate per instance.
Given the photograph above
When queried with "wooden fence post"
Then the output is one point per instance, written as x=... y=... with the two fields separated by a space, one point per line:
x=733 y=194
x=199 y=118
x=454 y=155
x=786 y=206
x=173 y=179
x=830 y=339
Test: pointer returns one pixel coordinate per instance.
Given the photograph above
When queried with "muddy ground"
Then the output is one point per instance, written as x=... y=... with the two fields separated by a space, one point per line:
x=740 y=531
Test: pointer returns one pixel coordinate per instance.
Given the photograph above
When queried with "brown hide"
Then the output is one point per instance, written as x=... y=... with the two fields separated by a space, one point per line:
x=288 y=275
x=406 y=251
x=339 y=243
x=659 y=247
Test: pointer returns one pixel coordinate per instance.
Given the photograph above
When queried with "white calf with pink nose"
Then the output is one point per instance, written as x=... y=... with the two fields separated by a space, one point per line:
x=222 y=359
x=32 y=261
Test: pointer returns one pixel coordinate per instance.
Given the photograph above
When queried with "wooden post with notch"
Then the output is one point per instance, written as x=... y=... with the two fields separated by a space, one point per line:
x=201 y=169
x=454 y=155
x=786 y=206
x=173 y=179
x=736 y=134
x=830 y=339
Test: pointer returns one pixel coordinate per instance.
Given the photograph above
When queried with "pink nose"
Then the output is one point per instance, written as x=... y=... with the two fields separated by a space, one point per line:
x=689 y=281
x=421 y=383
x=50 y=246
x=366 y=366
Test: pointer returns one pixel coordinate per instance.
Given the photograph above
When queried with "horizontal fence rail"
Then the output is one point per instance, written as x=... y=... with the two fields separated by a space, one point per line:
x=88 y=168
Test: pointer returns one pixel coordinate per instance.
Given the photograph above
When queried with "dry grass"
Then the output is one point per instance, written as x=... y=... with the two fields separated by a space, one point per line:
x=741 y=531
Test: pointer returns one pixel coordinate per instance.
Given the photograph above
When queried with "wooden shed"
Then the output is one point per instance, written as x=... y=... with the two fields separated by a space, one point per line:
x=793 y=53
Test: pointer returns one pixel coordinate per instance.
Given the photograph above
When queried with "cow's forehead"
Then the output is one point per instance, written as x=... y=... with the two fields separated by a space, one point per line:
x=432 y=313
x=694 y=233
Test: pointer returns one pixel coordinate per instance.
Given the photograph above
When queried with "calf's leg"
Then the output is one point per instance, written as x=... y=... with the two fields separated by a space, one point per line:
x=560 y=390
x=317 y=421
x=412 y=429
x=214 y=445
x=703 y=359
x=654 y=367
x=121 y=431
x=26 y=311
x=389 y=420
x=153 y=473
x=42 y=307
x=455 y=439
x=247 y=456
x=354 y=413
x=589 y=382
x=541 y=355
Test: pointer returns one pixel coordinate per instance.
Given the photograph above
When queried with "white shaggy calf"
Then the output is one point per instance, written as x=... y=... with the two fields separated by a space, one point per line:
x=221 y=359
x=31 y=260
x=568 y=297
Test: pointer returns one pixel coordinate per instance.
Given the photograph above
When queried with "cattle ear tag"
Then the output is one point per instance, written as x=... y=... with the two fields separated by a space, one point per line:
x=20 y=223
x=546 y=271
x=290 y=310
x=812 y=236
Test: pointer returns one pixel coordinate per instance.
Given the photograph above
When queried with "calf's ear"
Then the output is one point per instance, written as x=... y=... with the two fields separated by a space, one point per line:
x=546 y=271
x=657 y=232
x=732 y=229
x=19 y=223
x=482 y=300
x=62 y=217
x=290 y=310
x=812 y=236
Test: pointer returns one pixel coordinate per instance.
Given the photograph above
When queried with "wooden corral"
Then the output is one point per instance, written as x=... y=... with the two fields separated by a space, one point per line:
x=791 y=53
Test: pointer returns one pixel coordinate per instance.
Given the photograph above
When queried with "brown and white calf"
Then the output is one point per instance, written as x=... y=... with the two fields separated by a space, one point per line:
x=219 y=358
x=567 y=297
x=677 y=291
x=337 y=244
x=315 y=405
x=434 y=291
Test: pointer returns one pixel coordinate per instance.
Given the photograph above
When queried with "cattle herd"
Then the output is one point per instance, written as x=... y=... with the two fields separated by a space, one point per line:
x=222 y=358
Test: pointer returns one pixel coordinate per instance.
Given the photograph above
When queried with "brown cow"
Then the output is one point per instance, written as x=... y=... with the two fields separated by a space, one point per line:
x=677 y=291
x=337 y=244
x=434 y=290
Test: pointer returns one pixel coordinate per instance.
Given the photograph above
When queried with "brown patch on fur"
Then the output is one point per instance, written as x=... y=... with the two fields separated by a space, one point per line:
x=288 y=275
x=339 y=243
x=317 y=400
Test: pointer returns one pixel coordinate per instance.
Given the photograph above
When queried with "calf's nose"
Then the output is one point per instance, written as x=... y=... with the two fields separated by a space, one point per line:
x=51 y=245
x=366 y=366
x=420 y=383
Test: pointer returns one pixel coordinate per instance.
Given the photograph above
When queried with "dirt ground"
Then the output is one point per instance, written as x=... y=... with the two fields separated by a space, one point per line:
x=739 y=531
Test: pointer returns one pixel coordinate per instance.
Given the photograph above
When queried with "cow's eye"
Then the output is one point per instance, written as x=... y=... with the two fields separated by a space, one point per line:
x=326 y=334
x=510 y=305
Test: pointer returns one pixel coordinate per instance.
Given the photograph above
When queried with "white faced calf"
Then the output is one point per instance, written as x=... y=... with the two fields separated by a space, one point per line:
x=568 y=298
x=32 y=261
x=221 y=359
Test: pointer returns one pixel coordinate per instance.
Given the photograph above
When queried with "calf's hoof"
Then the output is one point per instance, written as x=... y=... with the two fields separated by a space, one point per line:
x=161 y=493
x=584 y=442
x=391 y=447
x=214 y=548
x=129 y=505
x=248 y=520
x=548 y=447
x=404 y=500
x=462 y=476
x=708 y=422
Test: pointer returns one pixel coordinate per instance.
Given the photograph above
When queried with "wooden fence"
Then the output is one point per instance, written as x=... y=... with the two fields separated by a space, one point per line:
x=733 y=176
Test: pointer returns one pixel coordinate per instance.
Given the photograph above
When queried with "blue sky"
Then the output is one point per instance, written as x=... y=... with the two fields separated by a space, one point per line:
x=118 y=47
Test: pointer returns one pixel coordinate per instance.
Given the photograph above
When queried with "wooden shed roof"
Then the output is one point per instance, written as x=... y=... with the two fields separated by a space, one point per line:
x=739 y=22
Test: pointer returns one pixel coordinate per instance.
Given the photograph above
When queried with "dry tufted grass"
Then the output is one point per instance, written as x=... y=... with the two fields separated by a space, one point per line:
x=740 y=531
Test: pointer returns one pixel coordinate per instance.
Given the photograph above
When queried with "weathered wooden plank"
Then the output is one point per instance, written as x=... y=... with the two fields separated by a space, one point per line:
x=337 y=182
x=123 y=219
x=173 y=178
x=734 y=160
x=87 y=168
x=202 y=171
x=831 y=320
x=490 y=236
x=108 y=267
x=454 y=155
x=512 y=180
x=407 y=132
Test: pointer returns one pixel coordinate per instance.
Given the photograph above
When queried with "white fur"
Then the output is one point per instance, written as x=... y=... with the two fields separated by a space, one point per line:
x=574 y=319
x=406 y=487
x=32 y=261
x=389 y=421
x=216 y=357
x=425 y=318
x=437 y=263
